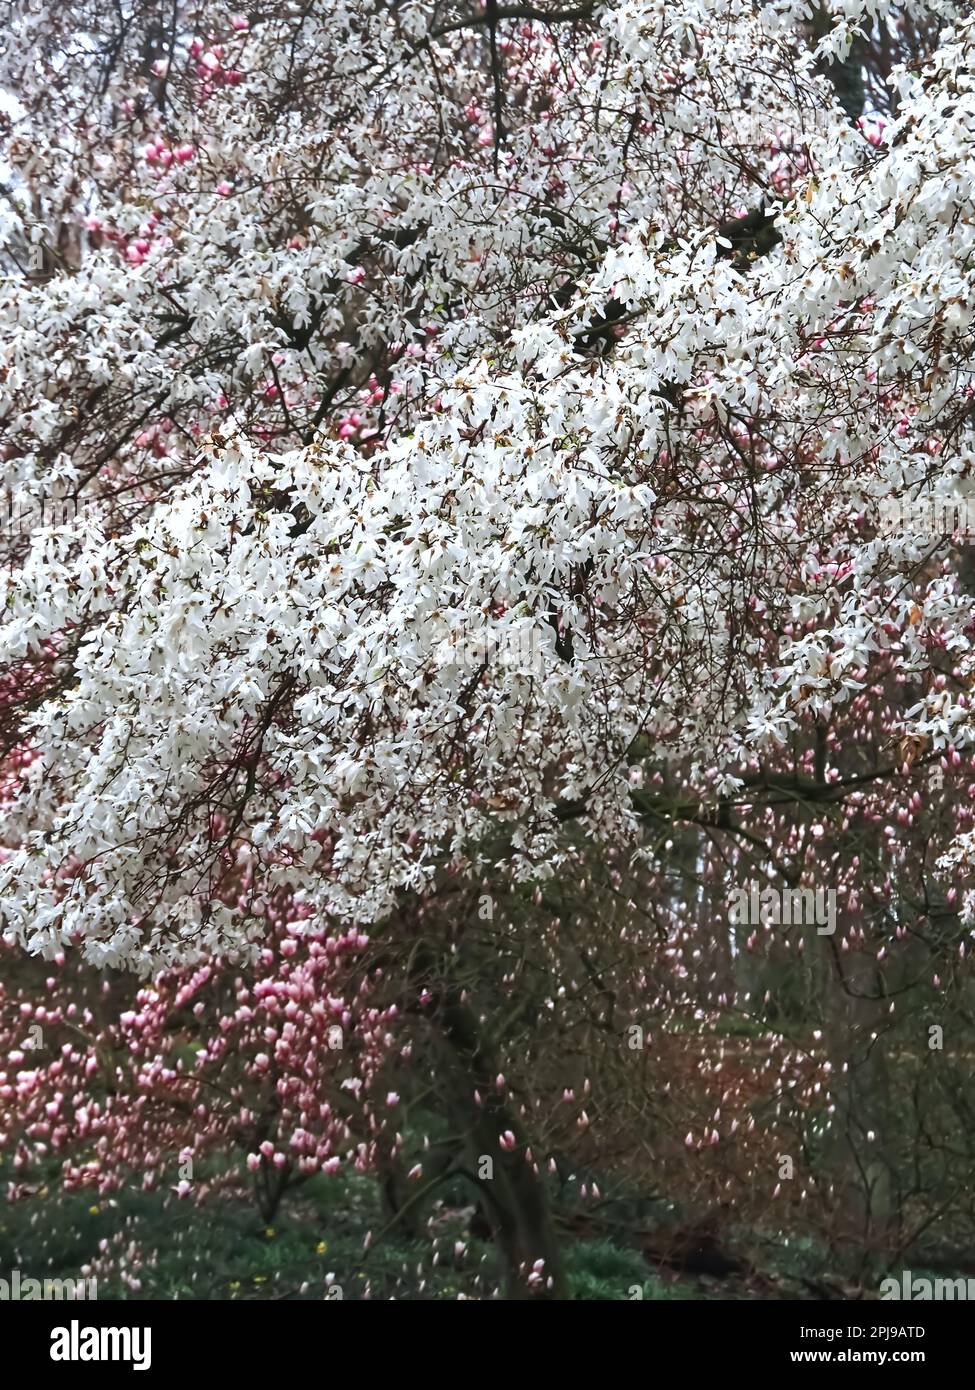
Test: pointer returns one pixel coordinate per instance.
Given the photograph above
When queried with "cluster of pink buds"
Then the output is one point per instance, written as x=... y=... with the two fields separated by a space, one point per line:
x=135 y=249
x=159 y=153
x=210 y=66
x=154 y=437
x=352 y=426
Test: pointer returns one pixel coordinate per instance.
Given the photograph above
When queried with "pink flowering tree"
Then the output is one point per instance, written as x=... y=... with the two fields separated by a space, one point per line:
x=206 y=1080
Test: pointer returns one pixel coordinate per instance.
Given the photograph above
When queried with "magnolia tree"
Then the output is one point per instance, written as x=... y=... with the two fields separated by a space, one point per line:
x=433 y=432
x=114 y=1082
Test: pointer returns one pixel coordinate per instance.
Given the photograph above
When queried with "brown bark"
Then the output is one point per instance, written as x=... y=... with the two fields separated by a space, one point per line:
x=513 y=1192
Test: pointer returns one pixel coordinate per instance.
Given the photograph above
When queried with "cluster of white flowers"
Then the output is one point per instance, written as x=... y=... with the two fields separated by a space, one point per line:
x=322 y=340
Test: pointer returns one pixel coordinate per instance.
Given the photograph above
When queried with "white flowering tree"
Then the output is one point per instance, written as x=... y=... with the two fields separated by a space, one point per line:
x=458 y=411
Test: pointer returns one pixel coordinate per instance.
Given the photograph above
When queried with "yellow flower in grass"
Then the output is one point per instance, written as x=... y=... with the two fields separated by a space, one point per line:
x=321 y=1248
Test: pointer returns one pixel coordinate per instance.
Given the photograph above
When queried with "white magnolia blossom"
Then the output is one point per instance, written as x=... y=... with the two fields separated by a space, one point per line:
x=381 y=547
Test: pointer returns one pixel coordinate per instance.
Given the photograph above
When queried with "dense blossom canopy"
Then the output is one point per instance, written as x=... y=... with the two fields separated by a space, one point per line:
x=437 y=458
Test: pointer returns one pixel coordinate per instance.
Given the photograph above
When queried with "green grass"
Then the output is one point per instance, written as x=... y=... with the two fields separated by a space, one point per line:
x=152 y=1245
x=223 y=1250
x=601 y=1272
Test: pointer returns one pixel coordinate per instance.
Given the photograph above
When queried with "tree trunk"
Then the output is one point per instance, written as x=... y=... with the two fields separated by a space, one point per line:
x=512 y=1189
